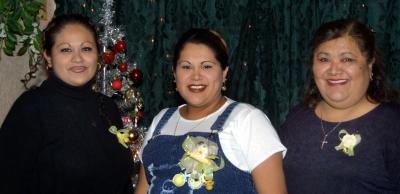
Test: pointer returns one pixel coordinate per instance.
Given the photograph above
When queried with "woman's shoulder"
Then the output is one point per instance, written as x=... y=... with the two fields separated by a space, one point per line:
x=247 y=113
x=299 y=111
x=388 y=111
x=30 y=96
x=157 y=118
x=391 y=107
x=26 y=106
x=244 y=108
x=106 y=99
x=35 y=94
x=298 y=108
x=162 y=112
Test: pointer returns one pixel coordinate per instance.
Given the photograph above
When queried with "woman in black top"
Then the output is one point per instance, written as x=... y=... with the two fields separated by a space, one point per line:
x=55 y=138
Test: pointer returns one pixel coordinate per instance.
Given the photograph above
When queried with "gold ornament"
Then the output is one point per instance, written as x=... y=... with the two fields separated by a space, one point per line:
x=133 y=135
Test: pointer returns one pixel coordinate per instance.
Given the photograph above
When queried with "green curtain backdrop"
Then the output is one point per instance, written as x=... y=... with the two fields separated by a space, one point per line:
x=269 y=42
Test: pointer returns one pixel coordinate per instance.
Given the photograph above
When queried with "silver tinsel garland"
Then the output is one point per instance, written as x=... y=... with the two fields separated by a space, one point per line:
x=128 y=98
x=110 y=34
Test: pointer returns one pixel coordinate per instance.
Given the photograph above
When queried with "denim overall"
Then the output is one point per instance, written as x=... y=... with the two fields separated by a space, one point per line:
x=163 y=152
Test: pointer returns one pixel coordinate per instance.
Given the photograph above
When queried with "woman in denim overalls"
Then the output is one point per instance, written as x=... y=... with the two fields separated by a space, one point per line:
x=211 y=144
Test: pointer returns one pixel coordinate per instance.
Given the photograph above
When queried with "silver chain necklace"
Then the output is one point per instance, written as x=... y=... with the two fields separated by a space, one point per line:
x=326 y=134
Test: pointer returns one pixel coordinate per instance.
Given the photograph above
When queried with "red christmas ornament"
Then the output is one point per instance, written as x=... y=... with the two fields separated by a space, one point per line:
x=108 y=57
x=123 y=67
x=139 y=116
x=116 y=84
x=120 y=46
x=136 y=76
x=126 y=120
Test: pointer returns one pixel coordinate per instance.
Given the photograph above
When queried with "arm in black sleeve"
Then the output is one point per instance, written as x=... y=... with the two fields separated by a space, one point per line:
x=19 y=144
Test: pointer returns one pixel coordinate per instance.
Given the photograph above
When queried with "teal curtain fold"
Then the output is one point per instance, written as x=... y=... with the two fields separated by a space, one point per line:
x=269 y=42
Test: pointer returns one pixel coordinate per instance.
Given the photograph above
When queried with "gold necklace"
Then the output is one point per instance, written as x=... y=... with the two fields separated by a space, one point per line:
x=326 y=134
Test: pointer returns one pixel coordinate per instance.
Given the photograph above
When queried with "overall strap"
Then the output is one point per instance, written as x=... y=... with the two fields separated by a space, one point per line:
x=219 y=123
x=164 y=120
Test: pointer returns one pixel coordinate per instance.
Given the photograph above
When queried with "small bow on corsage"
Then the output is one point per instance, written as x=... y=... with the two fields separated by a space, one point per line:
x=122 y=135
x=198 y=163
x=348 y=142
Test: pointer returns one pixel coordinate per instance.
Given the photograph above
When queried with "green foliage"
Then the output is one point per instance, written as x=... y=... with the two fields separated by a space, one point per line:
x=19 y=24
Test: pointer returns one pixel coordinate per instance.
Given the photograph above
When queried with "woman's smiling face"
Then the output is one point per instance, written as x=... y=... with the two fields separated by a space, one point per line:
x=73 y=56
x=199 y=76
x=341 y=72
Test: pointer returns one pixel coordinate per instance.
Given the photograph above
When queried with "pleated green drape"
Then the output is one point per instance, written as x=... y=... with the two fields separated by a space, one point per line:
x=269 y=42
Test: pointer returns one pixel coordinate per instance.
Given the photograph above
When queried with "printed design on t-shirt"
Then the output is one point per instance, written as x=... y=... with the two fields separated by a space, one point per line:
x=348 y=142
x=198 y=163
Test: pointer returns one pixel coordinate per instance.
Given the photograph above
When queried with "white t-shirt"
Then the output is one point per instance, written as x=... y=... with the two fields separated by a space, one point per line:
x=247 y=139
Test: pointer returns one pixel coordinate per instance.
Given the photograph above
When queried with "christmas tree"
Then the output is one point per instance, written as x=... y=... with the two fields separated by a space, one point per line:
x=119 y=79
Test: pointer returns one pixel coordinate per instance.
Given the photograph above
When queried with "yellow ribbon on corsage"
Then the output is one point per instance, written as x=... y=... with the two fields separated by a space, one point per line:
x=348 y=142
x=198 y=163
x=122 y=135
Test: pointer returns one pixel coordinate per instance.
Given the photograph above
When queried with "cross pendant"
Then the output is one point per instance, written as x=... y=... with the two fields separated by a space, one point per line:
x=323 y=142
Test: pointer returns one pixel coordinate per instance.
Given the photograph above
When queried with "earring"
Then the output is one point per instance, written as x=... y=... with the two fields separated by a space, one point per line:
x=49 y=66
x=176 y=88
x=98 y=66
x=371 y=76
x=223 y=88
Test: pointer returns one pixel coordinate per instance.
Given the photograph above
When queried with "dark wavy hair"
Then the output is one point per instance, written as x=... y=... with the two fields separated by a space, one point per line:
x=378 y=89
x=203 y=36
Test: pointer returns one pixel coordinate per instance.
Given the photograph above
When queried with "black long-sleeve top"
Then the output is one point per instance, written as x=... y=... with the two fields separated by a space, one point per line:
x=54 y=140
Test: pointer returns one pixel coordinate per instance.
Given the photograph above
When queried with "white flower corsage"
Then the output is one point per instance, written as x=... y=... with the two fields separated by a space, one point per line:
x=348 y=142
x=198 y=163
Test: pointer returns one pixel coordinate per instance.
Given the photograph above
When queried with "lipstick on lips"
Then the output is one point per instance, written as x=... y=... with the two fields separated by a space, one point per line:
x=78 y=69
x=335 y=82
x=197 y=87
